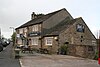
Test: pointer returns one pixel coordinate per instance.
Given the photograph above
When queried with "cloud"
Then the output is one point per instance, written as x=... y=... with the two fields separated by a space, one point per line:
x=14 y=13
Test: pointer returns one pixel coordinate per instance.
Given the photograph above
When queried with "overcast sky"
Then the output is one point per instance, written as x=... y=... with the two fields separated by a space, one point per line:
x=14 y=13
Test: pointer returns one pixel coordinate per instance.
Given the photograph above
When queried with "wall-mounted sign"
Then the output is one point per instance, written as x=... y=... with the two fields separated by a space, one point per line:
x=80 y=28
x=34 y=34
x=18 y=35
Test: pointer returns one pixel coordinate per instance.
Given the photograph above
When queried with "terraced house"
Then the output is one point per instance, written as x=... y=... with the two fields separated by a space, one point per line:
x=51 y=31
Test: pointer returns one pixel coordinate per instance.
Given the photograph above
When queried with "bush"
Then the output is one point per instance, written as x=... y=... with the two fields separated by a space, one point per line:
x=96 y=56
x=63 y=49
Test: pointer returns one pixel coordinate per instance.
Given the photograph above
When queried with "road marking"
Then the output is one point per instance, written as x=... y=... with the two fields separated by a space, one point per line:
x=4 y=48
x=21 y=63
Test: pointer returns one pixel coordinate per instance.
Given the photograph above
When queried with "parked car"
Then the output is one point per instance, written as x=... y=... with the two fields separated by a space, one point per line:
x=4 y=42
x=8 y=42
x=1 y=46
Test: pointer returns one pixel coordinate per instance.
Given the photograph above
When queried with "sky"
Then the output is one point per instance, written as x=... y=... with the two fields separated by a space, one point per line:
x=14 y=13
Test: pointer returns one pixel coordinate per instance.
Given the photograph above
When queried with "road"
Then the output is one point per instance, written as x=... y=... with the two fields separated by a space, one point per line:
x=41 y=60
x=7 y=58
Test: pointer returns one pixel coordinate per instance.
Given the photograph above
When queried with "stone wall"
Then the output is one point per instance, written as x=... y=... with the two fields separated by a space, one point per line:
x=78 y=41
x=53 y=49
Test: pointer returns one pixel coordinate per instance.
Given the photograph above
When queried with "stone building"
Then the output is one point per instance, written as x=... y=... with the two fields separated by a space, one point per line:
x=55 y=29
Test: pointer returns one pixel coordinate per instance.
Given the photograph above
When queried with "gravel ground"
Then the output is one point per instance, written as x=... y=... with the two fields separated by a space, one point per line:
x=41 y=60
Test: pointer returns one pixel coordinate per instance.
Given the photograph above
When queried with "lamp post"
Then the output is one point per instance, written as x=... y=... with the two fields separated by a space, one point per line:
x=13 y=53
x=13 y=33
x=12 y=28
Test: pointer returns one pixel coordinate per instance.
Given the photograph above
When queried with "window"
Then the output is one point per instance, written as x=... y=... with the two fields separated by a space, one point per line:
x=25 y=29
x=35 y=28
x=25 y=34
x=20 y=31
x=19 y=41
x=35 y=41
x=48 y=40
x=80 y=28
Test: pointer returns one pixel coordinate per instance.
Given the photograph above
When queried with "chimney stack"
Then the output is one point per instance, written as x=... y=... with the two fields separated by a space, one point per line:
x=33 y=15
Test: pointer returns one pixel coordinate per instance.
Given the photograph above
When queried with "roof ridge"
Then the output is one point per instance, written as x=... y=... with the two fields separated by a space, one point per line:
x=56 y=11
x=40 y=19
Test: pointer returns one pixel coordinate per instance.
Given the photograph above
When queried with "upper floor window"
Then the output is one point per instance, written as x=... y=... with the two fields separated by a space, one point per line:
x=35 y=28
x=49 y=40
x=25 y=29
x=25 y=34
x=80 y=28
x=21 y=31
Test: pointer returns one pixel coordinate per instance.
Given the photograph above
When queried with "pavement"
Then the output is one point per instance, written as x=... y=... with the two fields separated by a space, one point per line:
x=7 y=58
x=42 y=60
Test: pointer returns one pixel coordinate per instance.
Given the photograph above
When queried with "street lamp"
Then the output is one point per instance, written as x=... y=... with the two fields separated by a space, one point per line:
x=13 y=34
x=13 y=53
x=13 y=29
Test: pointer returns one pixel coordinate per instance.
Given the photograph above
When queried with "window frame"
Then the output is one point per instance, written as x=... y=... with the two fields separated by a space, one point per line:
x=21 y=31
x=19 y=41
x=48 y=40
x=35 y=28
x=25 y=30
x=34 y=41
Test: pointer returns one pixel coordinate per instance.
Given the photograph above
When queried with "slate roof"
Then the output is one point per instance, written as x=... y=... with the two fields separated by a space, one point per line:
x=65 y=24
x=39 y=20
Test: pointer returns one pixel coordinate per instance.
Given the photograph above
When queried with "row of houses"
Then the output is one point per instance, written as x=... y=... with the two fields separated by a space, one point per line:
x=51 y=31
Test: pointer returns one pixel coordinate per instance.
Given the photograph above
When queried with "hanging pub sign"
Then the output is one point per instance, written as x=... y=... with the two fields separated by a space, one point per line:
x=34 y=34
x=18 y=35
x=22 y=36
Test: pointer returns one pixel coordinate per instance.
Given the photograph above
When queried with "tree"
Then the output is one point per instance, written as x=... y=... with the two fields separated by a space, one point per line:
x=13 y=37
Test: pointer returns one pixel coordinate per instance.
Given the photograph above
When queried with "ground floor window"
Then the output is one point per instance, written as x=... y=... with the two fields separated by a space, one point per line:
x=35 y=41
x=19 y=41
x=48 y=40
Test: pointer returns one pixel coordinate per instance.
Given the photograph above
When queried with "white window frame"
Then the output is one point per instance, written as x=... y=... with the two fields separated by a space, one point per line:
x=35 y=28
x=25 y=34
x=21 y=30
x=35 y=41
x=19 y=41
x=48 y=40
x=25 y=29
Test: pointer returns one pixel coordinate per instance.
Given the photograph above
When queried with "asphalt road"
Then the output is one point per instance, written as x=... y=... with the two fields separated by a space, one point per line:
x=7 y=58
